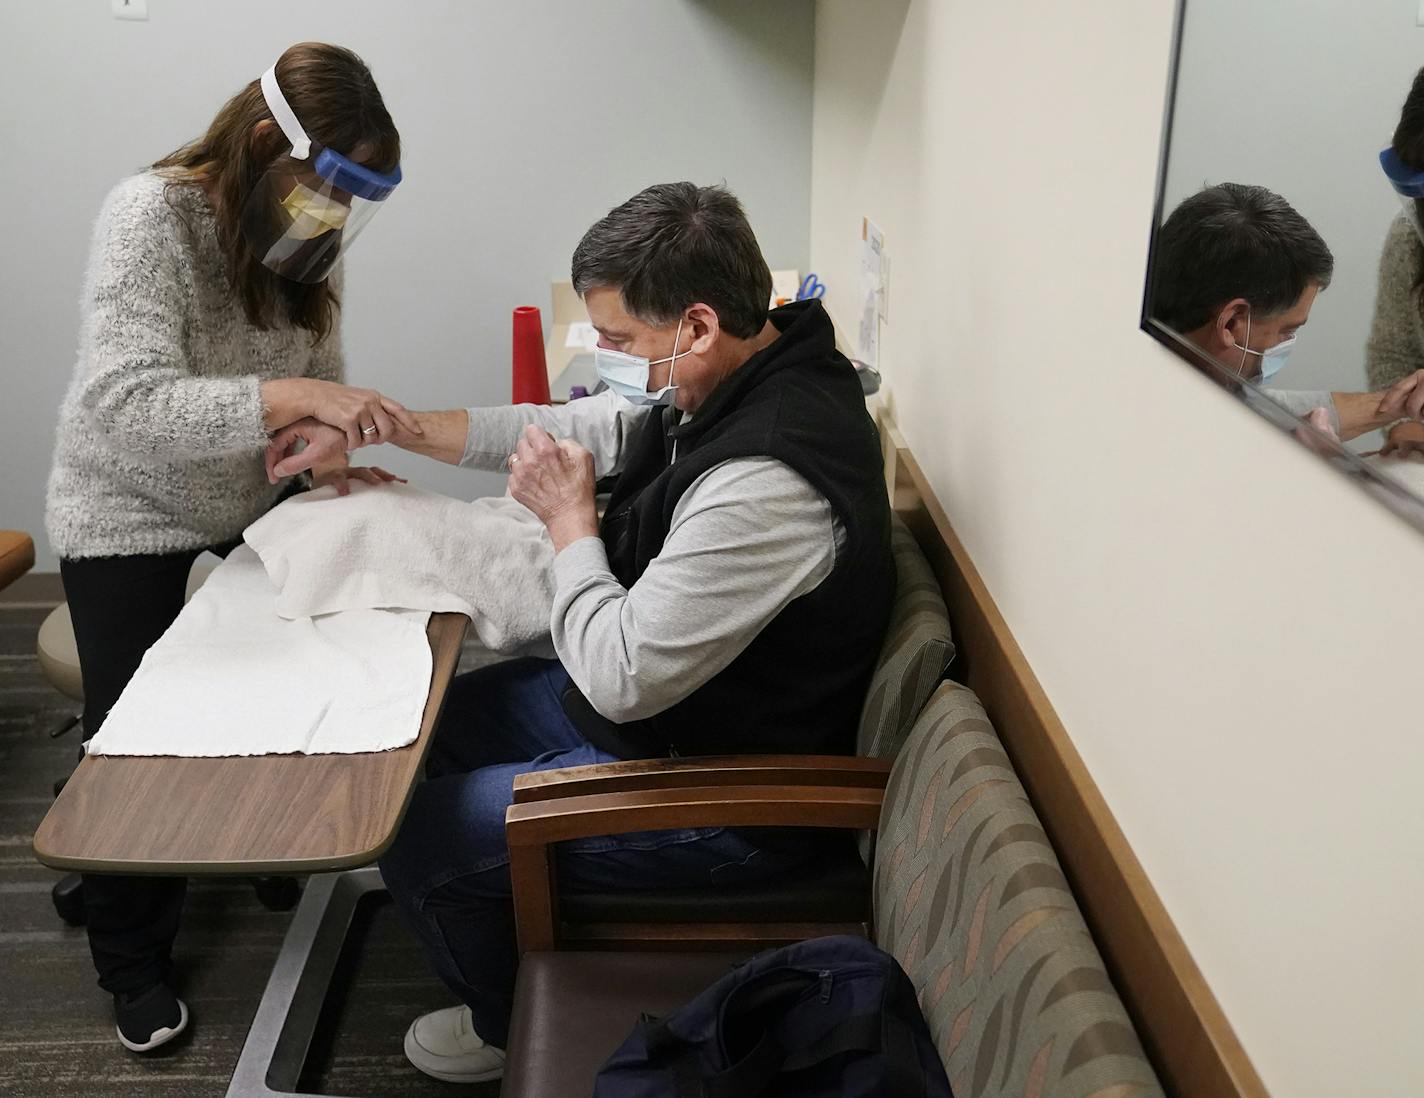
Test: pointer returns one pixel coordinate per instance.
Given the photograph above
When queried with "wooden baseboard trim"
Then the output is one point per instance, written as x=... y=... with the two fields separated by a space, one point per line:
x=34 y=587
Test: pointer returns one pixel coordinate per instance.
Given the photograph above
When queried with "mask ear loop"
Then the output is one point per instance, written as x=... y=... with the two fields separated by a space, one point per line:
x=672 y=362
x=284 y=115
x=1246 y=347
x=672 y=369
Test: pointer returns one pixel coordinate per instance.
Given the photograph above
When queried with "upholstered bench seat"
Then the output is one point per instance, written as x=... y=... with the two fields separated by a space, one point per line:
x=562 y=1041
x=969 y=898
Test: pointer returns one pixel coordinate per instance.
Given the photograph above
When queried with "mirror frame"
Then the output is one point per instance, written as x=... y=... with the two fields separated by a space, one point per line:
x=1374 y=483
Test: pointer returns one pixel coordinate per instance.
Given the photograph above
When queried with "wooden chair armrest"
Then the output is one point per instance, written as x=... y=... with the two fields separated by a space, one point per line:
x=532 y=828
x=708 y=770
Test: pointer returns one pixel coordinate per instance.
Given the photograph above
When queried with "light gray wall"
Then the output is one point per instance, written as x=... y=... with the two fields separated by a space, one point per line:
x=521 y=124
x=1300 y=96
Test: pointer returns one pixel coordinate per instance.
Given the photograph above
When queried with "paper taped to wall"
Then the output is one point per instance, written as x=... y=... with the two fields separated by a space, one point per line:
x=870 y=287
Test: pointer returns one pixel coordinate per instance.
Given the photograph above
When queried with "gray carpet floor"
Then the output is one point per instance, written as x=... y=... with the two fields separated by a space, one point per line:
x=56 y=1030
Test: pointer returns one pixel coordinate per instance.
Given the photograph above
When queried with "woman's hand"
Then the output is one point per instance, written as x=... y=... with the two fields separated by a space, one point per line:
x=1404 y=398
x=554 y=479
x=341 y=475
x=303 y=445
x=1405 y=440
x=363 y=415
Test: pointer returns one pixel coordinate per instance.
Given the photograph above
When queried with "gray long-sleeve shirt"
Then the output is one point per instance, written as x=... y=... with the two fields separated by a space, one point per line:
x=747 y=537
x=1301 y=402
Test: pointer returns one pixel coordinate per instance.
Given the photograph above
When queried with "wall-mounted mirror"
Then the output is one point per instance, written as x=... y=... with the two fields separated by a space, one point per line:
x=1287 y=258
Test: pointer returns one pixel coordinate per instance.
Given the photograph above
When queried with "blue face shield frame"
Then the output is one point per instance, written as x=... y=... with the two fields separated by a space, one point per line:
x=1408 y=185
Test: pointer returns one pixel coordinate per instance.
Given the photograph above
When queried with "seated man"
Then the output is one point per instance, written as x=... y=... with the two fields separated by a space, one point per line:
x=733 y=598
x=1236 y=274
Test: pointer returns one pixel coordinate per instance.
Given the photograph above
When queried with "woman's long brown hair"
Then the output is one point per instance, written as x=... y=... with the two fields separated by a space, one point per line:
x=338 y=104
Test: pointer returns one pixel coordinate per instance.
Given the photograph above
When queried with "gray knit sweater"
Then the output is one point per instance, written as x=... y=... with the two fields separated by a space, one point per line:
x=1396 y=344
x=159 y=446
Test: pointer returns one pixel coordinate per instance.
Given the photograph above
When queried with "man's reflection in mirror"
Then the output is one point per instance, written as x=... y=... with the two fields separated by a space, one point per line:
x=1236 y=273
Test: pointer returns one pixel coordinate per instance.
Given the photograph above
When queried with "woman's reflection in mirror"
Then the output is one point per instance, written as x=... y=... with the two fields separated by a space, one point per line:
x=1395 y=350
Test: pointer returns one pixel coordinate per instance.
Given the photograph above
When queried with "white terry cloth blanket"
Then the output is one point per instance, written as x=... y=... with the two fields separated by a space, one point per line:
x=231 y=677
x=395 y=546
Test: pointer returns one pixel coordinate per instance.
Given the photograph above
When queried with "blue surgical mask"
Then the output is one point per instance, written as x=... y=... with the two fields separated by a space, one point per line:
x=1271 y=360
x=1275 y=358
x=627 y=375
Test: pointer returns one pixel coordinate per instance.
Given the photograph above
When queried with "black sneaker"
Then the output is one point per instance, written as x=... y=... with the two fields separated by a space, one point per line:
x=147 y=1019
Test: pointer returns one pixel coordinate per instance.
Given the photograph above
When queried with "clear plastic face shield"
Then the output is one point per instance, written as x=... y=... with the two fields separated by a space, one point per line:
x=311 y=203
x=1408 y=184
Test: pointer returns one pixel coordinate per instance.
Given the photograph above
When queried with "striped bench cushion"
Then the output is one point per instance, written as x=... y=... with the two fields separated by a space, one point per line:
x=916 y=651
x=970 y=899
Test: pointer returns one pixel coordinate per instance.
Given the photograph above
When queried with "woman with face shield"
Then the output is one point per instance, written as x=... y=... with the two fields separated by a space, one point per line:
x=210 y=318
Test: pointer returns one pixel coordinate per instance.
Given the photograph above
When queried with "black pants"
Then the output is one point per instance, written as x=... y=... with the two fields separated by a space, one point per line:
x=120 y=606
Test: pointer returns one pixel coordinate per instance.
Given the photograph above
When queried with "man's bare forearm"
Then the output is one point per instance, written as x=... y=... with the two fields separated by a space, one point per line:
x=444 y=437
x=1359 y=412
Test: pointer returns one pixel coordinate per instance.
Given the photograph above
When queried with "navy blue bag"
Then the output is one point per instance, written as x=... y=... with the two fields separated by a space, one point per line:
x=822 y=1018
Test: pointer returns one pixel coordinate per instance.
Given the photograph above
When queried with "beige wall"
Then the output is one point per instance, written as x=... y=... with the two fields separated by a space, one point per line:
x=1223 y=624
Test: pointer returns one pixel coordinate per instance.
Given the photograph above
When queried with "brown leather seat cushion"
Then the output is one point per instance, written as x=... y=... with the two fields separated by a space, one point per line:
x=834 y=889
x=571 y=1010
x=17 y=556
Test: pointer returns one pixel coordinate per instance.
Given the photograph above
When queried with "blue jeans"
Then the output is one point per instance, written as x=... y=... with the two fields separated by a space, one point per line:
x=448 y=869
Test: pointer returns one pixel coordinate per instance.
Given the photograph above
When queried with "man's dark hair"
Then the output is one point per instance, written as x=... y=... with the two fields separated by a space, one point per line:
x=1234 y=240
x=673 y=245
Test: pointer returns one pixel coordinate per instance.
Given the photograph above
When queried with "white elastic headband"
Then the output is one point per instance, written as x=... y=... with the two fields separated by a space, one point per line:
x=282 y=112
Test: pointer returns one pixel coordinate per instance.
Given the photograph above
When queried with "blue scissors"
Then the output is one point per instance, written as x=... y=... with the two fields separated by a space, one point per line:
x=811 y=286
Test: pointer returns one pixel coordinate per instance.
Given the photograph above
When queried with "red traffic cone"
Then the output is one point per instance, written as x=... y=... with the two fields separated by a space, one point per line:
x=531 y=374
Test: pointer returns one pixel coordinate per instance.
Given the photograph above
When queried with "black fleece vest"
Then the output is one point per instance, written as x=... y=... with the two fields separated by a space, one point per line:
x=799 y=686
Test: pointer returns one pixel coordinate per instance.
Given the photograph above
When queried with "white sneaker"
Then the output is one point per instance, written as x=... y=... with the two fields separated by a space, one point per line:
x=444 y=1045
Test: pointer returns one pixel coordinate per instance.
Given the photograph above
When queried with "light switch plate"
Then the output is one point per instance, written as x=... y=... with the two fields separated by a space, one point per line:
x=130 y=9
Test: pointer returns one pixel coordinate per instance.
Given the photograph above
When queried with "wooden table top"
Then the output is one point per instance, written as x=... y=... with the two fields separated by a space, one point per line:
x=254 y=814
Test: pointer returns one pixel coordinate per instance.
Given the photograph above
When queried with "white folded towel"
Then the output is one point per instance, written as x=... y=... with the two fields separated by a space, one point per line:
x=397 y=546
x=231 y=677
